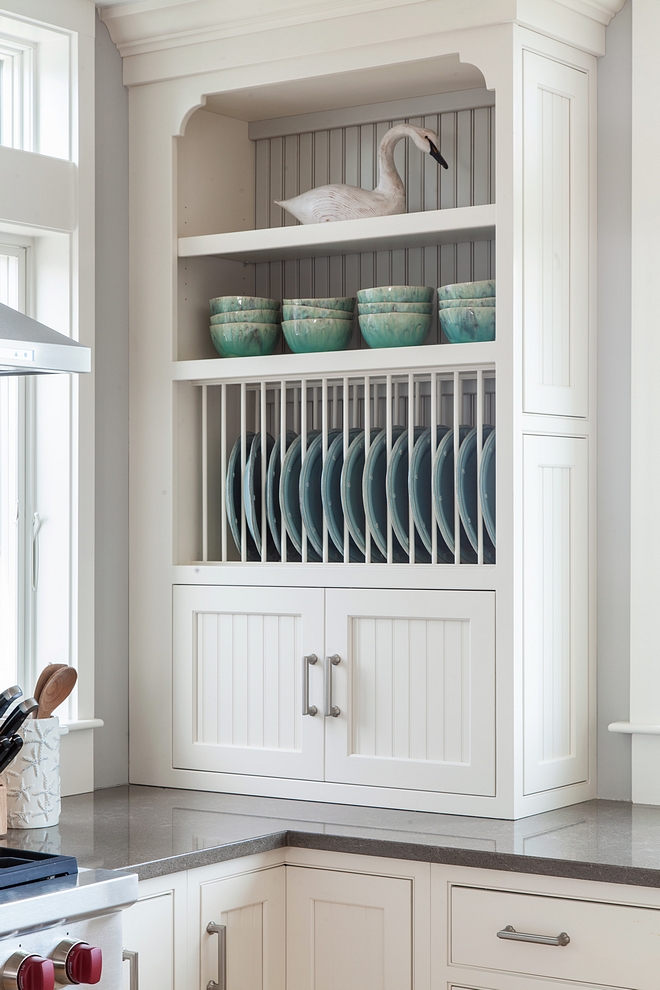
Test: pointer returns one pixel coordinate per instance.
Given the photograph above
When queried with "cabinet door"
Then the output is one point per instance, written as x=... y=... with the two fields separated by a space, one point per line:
x=415 y=688
x=148 y=929
x=238 y=680
x=252 y=908
x=348 y=931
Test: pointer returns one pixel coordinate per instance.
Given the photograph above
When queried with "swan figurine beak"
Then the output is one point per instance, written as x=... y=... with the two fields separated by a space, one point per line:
x=434 y=153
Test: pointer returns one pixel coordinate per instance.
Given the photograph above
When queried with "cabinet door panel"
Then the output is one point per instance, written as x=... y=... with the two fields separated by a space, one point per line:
x=556 y=236
x=148 y=929
x=238 y=656
x=415 y=688
x=348 y=931
x=252 y=907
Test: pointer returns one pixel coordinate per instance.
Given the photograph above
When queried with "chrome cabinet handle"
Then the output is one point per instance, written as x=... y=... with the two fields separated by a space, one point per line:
x=510 y=932
x=308 y=661
x=221 y=932
x=331 y=711
x=131 y=957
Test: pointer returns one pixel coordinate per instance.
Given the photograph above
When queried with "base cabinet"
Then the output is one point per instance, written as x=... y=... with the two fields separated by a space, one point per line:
x=299 y=919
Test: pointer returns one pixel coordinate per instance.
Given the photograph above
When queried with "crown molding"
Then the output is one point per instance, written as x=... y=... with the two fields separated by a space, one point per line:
x=146 y=26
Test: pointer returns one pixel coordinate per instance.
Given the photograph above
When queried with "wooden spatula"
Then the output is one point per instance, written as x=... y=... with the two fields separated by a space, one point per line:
x=44 y=676
x=57 y=689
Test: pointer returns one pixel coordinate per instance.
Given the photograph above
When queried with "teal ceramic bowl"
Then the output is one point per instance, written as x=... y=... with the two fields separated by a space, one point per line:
x=248 y=316
x=345 y=303
x=244 y=339
x=226 y=304
x=304 y=336
x=372 y=309
x=397 y=293
x=395 y=329
x=452 y=303
x=314 y=313
x=466 y=325
x=467 y=290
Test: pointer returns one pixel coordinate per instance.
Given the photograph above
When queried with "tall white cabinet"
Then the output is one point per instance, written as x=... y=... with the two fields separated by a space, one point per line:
x=448 y=680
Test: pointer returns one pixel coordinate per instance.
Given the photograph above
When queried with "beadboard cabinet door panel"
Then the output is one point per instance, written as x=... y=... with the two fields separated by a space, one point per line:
x=556 y=600
x=238 y=680
x=252 y=907
x=415 y=688
x=348 y=931
x=556 y=236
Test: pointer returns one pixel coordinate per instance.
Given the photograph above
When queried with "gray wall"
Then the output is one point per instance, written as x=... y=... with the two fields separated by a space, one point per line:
x=614 y=190
x=111 y=365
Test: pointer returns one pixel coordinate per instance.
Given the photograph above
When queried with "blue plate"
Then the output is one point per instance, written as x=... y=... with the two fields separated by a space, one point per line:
x=331 y=496
x=374 y=494
x=351 y=493
x=289 y=494
x=419 y=483
x=311 y=504
x=398 y=498
x=466 y=473
x=487 y=485
x=252 y=491
x=233 y=497
x=273 y=510
x=443 y=494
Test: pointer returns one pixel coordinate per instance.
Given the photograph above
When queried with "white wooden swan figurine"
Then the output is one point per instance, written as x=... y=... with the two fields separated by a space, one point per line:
x=340 y=202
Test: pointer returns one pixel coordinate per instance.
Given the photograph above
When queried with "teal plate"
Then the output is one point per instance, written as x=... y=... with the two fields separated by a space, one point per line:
x=273 y=511
x=487 y=485
x=398 y=497
x=374 y=495
x=351 y=493
x=419 y=483
x=311 y=503
x=331 y=496
x=233 y=497
x=443 y=494
x=289 y=494
x=466 y=473
x=252 y=492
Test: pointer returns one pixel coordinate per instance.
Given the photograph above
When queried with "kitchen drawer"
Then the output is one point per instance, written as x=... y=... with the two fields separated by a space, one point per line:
x=610 y=944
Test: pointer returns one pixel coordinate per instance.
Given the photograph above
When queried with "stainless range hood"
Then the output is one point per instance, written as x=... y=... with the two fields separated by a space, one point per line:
x=30 y=348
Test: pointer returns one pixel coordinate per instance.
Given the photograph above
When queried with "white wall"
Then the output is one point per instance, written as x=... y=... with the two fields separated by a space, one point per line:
x=111 y=363
x=614 y=218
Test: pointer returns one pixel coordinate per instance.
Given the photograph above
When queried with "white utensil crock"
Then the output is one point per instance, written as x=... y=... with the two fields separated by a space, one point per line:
x=33 y=779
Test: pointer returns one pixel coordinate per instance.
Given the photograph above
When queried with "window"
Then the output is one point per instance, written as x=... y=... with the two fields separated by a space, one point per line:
x=17 y=94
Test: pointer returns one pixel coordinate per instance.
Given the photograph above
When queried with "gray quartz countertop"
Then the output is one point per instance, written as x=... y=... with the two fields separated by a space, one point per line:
x=155 y=831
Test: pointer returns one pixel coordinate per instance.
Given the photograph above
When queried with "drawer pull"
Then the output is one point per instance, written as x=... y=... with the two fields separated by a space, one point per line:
x=308 y=709
x=330 y=710
x=221 y=932
x=510 y=932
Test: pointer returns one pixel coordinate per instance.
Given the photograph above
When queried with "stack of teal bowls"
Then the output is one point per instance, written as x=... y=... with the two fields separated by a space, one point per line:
x=318 y=324
x=245 y=326
x=467 y=311
x=395 y=315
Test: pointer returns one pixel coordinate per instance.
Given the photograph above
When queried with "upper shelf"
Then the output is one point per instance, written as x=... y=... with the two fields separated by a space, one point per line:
x=406 y=230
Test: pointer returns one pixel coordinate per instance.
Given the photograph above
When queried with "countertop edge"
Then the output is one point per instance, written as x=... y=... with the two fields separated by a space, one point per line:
x=397 y=849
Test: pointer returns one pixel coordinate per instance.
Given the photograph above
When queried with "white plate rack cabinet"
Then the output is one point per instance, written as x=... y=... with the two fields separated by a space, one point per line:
x=462 y=686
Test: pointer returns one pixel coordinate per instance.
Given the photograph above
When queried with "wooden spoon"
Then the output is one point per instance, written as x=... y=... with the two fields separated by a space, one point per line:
x=44 y=676
x=57 y=689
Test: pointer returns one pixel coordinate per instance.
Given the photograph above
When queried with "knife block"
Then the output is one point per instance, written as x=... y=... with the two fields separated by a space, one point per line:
x=3 y=809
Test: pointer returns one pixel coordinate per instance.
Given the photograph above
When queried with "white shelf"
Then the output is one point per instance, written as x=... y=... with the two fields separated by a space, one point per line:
x=468 y=223
x=339 y=363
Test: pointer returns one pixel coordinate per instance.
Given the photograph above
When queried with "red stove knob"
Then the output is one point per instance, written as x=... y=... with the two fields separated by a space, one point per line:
x=77 y=962
x=23 y=972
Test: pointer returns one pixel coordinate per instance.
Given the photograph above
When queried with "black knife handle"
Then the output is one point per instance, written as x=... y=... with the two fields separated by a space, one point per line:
x=11 y=752
x=8 y=697
x=14 y=721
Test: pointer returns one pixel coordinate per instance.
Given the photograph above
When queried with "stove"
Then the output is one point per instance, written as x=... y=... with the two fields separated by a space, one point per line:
x=60 y=926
